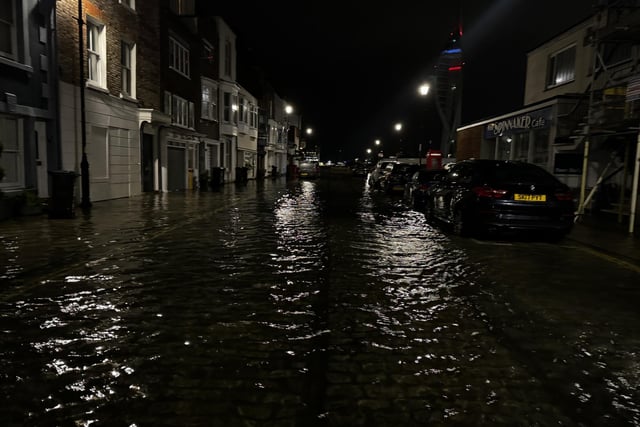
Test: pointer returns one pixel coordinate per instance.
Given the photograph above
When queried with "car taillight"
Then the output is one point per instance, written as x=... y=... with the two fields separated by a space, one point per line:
x=489 y=192
x=564 y=195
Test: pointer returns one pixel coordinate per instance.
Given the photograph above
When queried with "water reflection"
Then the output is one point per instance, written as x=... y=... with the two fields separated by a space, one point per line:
x=285 y=303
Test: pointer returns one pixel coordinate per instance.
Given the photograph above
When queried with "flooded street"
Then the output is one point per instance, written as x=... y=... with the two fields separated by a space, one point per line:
x=301 y=303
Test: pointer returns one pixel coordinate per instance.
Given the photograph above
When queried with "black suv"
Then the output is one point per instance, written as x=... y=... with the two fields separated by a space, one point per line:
x=478 y=196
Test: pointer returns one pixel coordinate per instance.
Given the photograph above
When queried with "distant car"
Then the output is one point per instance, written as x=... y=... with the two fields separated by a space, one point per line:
x=359 y=169
x=479 y=196
x=397 y=176
x=415 y=190
x=310 y=170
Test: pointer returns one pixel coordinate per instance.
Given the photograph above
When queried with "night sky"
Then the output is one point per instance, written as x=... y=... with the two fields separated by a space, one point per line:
x=352 y=69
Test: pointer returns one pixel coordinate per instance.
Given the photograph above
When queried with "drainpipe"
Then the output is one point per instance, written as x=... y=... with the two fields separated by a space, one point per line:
x=85 y=202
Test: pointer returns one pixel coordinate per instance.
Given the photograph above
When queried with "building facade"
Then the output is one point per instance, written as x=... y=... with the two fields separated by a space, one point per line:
x=580 y=115
x=29 y=132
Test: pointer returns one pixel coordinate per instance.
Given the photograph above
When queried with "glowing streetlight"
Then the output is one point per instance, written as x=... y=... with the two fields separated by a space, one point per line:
x=377 y=142
x=423 y=90
x=288 y=109
x=398 y=127
x=368 y=150
x=309 y=131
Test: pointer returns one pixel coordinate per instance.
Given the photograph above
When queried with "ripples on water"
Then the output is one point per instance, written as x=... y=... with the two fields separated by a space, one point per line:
x=305 y=303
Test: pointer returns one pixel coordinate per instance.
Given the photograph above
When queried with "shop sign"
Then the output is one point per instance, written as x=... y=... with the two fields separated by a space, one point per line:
x=539 y=119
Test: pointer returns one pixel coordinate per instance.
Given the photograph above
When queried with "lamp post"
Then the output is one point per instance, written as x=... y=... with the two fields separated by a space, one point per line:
x=423 y=90
x=398 y=128
x=85 y=201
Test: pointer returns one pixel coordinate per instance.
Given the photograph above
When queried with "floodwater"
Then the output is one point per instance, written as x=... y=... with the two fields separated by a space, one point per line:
x=282 y=303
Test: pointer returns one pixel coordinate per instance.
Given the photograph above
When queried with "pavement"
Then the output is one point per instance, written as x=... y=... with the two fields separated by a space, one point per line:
x=605 y=234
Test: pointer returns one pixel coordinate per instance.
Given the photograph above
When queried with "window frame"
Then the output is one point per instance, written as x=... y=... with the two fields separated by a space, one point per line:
x=179 y=57
x=14 y=155
x=131 y=4
x=181 y=110
x=13 y=32
x=209 y=107
x=554 y=70
x=98 y=41
x=131 y=68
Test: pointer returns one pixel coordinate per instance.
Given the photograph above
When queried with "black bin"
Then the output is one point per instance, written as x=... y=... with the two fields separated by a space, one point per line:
x=216 y=177
x=62 y=200
x=242 y=174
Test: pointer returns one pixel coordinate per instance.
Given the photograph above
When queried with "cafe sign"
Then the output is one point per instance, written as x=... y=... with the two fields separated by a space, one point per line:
x=539 y=119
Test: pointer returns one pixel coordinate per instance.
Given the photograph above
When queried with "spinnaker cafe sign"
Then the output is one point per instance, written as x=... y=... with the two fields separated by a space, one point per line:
x=538 y=119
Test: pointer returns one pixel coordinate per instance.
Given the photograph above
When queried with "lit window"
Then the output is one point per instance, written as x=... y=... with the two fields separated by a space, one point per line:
x=562 y=67
x=7 y=29
x=209 y=101
x=127 y=61
x=179 y=57
x=96 y=54
x=244 y=110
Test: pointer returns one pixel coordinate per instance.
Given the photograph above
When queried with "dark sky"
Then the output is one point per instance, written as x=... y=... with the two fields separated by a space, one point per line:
x=352 y=69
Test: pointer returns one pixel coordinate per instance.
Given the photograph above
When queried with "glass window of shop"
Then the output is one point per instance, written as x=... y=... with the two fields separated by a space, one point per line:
x=540 y=142
x=520 y=146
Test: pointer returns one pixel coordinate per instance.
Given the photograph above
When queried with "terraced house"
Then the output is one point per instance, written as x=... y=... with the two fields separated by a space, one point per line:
x=131 y=95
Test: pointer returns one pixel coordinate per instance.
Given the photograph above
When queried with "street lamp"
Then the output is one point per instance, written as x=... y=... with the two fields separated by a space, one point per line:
x=423 y=90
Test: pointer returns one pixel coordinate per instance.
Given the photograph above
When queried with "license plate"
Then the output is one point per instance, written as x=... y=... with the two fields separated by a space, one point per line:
x=530 y=197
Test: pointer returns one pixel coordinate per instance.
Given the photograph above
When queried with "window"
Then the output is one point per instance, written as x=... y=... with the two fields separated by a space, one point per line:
x=11 y=157
x=227 y=107
x=562 y=67
x=178 y=57
x=130 y=3
x=227 y=58
x=127 y=62
x=230 y=108
x=7 y=29
x=253 y=116
x=244 y=110
x=181 y=111
x=208 y=52
x=209 y=109
x=96 y=53
x=183 y=7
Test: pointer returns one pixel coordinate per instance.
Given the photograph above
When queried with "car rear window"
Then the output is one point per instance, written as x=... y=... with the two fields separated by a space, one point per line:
x=518 y=173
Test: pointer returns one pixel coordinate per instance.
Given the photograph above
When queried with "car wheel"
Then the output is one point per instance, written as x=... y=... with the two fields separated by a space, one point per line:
x=461 y=226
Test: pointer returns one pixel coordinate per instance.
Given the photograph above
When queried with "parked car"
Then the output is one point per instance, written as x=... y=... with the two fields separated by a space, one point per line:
x=397 y=176
x=415 y=190
x=477 y=196
x=380 y=169
x=309 y=170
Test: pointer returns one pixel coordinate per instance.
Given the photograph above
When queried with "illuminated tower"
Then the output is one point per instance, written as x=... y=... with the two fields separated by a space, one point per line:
x=449 y=91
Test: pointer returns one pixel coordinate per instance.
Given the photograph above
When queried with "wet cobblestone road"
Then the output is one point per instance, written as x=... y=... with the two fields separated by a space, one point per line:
x=298 y=303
